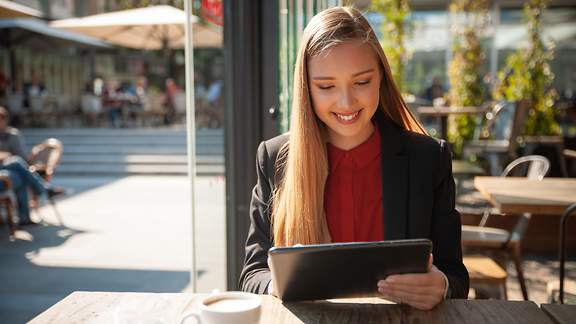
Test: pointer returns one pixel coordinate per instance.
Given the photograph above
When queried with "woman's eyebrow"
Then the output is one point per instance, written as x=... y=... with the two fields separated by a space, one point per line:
x=353 y=75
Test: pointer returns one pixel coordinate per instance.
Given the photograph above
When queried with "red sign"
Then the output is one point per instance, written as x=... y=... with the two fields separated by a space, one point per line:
x=213 y=12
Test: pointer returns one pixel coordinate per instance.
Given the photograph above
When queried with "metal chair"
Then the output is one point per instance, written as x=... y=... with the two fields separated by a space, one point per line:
x=496 y=139
x=7 y=201
x=44 y=159
x=487 y=238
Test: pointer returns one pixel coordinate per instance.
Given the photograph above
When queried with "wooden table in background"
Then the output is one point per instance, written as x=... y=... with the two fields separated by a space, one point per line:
x=550 y=196
x=99 y=307
x=443 y=113
x=560 y=314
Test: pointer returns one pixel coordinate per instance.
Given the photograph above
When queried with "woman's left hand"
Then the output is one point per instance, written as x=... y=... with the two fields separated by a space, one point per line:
x=419 y=290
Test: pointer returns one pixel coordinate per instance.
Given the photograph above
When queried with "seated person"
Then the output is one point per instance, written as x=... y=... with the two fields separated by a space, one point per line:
x=13 y=154
x=22 y=179
x=356 y=166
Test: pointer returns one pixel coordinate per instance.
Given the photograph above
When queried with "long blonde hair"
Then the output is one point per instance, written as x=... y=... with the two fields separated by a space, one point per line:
x=298 y=207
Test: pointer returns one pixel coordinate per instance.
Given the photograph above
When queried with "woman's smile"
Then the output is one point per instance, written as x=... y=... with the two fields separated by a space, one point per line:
x=347 y=118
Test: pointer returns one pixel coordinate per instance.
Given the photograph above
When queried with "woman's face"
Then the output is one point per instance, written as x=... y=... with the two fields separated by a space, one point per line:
x=345 y=90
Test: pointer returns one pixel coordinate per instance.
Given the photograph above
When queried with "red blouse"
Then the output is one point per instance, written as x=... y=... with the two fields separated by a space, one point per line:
x=353 y=194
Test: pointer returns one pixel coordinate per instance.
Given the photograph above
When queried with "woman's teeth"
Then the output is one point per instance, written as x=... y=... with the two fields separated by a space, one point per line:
x=347 y=117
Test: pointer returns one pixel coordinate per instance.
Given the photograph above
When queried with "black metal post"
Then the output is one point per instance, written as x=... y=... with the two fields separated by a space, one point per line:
x=251 y=69
x=563 y=222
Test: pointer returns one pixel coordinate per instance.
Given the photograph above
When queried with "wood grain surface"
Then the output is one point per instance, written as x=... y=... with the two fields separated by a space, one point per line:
x=550 y=196
x=99 y=307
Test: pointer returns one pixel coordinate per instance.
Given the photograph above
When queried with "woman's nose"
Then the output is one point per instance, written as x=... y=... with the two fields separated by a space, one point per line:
x=346 y=99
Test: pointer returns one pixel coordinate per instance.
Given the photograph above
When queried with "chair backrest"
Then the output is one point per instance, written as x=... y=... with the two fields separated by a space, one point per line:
x=90 y=104
x=45 y=157
x=503 y=122
x=534 y=167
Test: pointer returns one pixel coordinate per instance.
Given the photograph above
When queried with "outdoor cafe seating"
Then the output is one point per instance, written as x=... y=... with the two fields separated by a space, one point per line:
x=496 y=136
x=44 y=159
x=485 y=238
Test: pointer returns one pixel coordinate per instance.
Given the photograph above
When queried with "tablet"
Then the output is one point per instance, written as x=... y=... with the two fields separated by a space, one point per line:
x=343 y=270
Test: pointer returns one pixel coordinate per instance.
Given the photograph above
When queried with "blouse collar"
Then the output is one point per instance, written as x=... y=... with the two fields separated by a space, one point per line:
x=358 y=157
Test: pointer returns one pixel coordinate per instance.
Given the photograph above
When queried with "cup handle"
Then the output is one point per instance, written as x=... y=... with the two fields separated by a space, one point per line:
x=187 y=316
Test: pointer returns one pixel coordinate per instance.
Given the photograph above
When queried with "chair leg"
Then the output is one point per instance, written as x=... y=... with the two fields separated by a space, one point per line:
x=484 y=219
x=518 y=263
x=56 y=212
x=9 y=216
x=504 y=291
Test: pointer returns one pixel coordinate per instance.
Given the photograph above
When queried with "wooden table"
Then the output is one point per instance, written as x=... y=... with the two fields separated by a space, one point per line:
x=444 y=111
x=550 y=196
x=561 y=314
x=99 y=307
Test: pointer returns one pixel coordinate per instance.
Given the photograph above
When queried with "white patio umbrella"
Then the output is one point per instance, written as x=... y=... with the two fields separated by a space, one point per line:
x=10 y=9
x=151 y=28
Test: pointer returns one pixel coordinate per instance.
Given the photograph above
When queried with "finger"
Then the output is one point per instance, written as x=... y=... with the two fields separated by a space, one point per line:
x=430 y=261
x=405 y=297
x=420 y=291
x=415 y=299
x=411 y=279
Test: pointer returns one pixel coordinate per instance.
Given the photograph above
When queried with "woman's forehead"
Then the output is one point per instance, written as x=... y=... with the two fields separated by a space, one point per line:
x=349 y=57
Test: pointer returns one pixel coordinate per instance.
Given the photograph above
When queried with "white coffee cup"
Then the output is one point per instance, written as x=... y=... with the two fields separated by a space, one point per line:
x=227 y=307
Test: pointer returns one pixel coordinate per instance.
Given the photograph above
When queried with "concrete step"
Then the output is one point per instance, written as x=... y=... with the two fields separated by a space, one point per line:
x=139 y=159
x=115 y=152
x=140 y=149
x=118 y=169
x=114 y=132
x=125 y=140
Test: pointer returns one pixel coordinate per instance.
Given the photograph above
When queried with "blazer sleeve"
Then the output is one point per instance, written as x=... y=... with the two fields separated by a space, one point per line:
x=446 y=229
x=255 y=276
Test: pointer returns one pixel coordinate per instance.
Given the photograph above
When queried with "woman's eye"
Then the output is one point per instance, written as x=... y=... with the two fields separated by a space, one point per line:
x=325 y=87
x=361 y=83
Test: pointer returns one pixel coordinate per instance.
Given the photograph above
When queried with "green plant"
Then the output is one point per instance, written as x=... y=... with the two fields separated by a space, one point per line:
x=394 y=31
x=465 y=68
x=527 y=76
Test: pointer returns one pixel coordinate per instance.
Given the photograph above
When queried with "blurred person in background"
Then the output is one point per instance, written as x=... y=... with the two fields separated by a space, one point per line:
x=112 y=103
x=13 y=163
x=170 y=101
x=435 y=90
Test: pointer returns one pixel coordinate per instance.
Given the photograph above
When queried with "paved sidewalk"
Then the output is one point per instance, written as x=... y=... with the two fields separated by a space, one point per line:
x=119 y=234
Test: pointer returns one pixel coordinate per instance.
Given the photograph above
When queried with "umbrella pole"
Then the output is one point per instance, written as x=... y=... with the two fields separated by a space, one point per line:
x=191 y=135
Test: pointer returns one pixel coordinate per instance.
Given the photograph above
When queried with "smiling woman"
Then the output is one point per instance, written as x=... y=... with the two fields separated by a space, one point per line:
x=355 y=167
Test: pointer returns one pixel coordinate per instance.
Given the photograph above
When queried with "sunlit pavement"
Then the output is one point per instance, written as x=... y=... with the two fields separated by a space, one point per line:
x=118 y=234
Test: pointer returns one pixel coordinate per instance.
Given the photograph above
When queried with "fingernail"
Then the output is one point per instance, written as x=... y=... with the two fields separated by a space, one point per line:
x=390 y=280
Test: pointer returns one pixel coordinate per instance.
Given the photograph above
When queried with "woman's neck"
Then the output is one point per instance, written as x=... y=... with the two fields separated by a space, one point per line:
x=347 y=143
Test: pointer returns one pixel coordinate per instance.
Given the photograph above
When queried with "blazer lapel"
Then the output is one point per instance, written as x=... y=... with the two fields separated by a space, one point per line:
x=395 y=178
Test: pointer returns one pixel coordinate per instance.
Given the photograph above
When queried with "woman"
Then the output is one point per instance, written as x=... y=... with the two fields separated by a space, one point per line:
x=356 y=166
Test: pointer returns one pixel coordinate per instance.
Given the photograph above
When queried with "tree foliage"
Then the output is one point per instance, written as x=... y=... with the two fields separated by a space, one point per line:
x=465 y=68
x=130 y=4
x=394 y=32
x=527 y=75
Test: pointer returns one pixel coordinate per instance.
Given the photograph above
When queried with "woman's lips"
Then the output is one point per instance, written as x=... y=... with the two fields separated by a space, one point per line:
x=348 y=118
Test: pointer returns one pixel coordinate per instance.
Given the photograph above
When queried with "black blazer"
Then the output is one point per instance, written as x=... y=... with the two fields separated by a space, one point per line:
x=417 y=196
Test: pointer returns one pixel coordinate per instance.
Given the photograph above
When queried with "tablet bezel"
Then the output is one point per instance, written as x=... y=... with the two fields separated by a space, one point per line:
x=333 y=277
